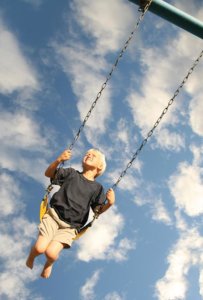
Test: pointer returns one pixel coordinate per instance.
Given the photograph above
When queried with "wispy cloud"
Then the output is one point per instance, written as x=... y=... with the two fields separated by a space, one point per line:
x=106 y=22
x=86 y=82
x=157 y=206
x=129 y=183
x=87 y=290
x=157 y=86
x=186 y=186
x=113 y=296
x=160 y=213
x=100 y=242
x=186 y=253
x=16 y=231
x=23 y=132
x=16 y=71
x=11 y=206
x=19 y=131
x=88 y=70
x=21 y=141
x=196 y=112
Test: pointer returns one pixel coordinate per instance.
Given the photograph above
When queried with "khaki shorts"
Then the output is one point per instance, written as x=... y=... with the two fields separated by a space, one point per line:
x=55 y=229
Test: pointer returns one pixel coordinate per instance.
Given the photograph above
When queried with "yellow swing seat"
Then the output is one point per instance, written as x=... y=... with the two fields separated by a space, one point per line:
x=43 y=207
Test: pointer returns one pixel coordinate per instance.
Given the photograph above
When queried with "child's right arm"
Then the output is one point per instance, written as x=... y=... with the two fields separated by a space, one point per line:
x=50 y=171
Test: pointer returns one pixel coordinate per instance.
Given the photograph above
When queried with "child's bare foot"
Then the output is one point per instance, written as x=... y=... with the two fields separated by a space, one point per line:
x=30 y=261
x=46 y=272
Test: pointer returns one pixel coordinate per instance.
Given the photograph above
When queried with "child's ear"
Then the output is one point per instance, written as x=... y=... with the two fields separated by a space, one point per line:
x=99 y=168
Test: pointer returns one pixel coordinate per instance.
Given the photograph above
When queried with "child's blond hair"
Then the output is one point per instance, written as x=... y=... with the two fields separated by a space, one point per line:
x=103 y=161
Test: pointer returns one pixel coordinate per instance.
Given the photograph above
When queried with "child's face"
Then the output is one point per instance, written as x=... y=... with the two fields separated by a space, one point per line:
x=92 y=158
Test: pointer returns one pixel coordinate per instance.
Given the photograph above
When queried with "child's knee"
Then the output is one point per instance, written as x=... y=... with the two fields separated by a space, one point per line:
x=51 y=254
x=39 y=248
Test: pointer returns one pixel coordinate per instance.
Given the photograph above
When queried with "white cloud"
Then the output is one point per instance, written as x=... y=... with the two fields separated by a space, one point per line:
x=189 y=55
x=87 y=290
x=100 y=241
x=186 y=253
x=107 y=22
x=147 y=106
x=196 y=112
x=201 y=281
x=124 y=141
x=14 y=278
x=197 y=152
x=181 y=224
x=157 y=85
x=160 y=212
x=86 y=83
x=19 y=129
x=169 y=140
x=113 y=296
x=186 y=186
x=15 y=238
x=119 y=252
x=11 y=207
x=16 y=72
x=127 y=183
x=122 y=132
x=146 y=196
x=139 y=200
x=122 y=135
x=194 y=87
x=19 y=132
x=158 y=209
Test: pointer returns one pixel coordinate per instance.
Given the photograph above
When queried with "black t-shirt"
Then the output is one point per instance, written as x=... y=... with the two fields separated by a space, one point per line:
x=76 y=195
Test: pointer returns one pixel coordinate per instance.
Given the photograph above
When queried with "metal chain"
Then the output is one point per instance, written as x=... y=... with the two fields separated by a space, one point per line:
x=143 y=4
x=123 y=173
x=142 y=14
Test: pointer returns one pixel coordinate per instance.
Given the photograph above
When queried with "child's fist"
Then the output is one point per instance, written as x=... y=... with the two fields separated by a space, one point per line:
x=65 y=155
x=110 y=196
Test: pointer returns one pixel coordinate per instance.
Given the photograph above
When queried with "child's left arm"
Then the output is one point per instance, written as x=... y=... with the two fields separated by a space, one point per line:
x=110 y=197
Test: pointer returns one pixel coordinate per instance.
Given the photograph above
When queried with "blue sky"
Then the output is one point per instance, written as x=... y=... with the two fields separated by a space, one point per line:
x=54 y=57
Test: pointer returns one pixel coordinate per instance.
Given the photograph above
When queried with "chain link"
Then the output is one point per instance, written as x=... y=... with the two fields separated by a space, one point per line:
x=141 y=16
x=129 y=164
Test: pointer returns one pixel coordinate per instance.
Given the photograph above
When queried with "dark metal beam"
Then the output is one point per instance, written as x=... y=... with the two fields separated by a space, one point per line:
x=175 y=16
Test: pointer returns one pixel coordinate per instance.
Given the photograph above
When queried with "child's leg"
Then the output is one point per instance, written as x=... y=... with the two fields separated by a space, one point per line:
x=52 y=254
x=39 y=248
x=47 y=228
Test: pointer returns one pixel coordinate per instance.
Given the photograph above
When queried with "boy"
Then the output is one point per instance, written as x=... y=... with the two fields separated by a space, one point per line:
x=70 y=206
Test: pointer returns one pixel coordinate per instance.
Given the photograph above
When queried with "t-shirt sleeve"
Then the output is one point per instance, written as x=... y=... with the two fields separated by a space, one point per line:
x=99 y=198
x=60 y=176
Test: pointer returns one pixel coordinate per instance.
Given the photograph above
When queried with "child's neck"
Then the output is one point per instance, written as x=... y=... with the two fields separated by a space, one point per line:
x=89 y=174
